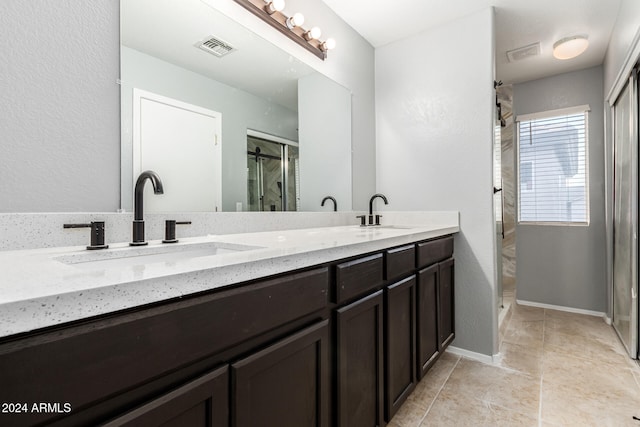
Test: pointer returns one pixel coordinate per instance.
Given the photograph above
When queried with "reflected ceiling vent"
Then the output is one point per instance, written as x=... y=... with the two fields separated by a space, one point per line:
x=523 y=52
x=215 y=46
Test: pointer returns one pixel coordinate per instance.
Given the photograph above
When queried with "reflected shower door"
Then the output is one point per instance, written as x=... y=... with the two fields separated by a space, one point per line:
x=625 y=283
x=272 y=175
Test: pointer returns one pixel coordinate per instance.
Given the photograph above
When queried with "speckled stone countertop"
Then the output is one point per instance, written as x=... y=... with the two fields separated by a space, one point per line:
x=46 y=287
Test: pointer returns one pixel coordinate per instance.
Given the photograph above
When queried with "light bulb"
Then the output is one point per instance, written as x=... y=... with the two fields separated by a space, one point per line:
x=275 y=6
x=295 y=21
x=313 y=33
x=328 y=44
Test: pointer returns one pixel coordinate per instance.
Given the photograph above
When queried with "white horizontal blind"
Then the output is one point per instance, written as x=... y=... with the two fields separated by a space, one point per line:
x=553 y=173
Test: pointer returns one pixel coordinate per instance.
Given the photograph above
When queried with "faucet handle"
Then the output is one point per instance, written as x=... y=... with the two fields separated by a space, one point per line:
x=362 y=220
x=378 y=219
x=170 y=230
x=97 y=233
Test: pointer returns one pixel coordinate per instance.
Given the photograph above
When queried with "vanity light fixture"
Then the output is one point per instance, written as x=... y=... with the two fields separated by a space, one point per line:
x=295 y=21
x=270 y=11
x=274 y=6
x=570 y=47
x=328 y=44
x=313 y=33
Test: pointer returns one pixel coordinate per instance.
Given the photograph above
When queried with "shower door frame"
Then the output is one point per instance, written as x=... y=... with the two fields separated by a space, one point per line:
x=630 y=342
x=284 y=164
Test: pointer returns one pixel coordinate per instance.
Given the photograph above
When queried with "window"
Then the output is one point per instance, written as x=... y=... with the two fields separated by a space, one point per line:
x=553 y=181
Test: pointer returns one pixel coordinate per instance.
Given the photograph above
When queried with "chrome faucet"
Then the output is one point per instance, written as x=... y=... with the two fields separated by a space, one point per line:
x=335 y=204
x=375 y=196
x=138 y=209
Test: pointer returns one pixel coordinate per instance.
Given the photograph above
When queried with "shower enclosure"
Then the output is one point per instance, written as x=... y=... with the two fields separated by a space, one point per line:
x=273 y=178
x=625 y=216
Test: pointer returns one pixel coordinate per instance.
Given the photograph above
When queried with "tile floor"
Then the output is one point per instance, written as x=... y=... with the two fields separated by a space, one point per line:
x=557 y=369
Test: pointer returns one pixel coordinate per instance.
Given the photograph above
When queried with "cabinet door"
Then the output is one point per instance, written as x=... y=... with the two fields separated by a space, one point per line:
x=360 y=363
x=427 y=319
x=446 y=303
x=284 y=385
x=400 y=344
x=202 y=402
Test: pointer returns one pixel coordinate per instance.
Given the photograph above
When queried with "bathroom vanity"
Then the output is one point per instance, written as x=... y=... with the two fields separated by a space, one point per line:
x=326 y=326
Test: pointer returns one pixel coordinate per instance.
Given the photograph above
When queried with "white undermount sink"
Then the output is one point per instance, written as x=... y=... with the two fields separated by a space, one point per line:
x=141 y=255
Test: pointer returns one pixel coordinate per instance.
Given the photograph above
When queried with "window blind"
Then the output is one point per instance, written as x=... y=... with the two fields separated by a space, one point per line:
x=553 y=168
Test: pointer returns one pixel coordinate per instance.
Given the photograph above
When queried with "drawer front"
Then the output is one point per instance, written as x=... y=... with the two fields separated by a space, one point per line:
x=433 y=251
x=356 y=277
x=400 y=261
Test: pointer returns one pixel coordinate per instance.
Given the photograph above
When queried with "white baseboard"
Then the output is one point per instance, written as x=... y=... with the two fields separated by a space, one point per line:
x=563 y=308
x=484 y=358
x=607 y=319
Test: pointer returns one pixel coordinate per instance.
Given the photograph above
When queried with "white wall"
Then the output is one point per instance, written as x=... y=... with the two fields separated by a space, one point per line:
x=434 y=119
x=625 y=31
x=59 y=63
x=566 y=265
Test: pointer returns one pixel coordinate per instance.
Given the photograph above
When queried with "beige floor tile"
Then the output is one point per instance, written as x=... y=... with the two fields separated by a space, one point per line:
x=427 y=389
x=521 y=358
x=524 y=312
x=456 y=409
x=503 y=387
x=574 y=405
x=524 y=332
x=588 y=375
x=593 y=347
x=501 y=417
x=409 y=415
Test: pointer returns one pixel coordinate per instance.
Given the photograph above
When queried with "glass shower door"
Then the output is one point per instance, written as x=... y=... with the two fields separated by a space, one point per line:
x=625 y=283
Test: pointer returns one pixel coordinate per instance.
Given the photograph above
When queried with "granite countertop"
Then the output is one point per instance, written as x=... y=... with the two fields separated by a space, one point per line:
x=46 y=287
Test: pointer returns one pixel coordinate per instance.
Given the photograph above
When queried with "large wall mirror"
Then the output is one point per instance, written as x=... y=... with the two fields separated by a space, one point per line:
x=228 y=120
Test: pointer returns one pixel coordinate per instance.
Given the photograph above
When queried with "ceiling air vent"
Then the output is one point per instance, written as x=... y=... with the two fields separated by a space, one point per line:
x=524 y=52
x=215 y=46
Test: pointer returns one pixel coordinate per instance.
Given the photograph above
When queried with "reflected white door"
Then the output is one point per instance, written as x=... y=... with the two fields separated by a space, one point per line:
x=181 y=143
x=625 y=215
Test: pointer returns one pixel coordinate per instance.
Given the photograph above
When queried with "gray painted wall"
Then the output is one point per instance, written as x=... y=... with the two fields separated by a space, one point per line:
x=325 y=145
x=60 y=126
x=60 y=108
x=434 y=116
x=240 y=111
x=566 y=265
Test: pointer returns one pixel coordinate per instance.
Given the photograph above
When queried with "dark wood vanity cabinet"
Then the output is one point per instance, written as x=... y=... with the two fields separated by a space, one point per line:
x=203 y=402
x=400 y=343
x=435 y=323
x=342 y=343
x=286 y=384
x=360 y=362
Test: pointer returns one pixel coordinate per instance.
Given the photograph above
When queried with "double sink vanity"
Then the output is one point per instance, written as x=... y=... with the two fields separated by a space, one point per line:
x=314 y=326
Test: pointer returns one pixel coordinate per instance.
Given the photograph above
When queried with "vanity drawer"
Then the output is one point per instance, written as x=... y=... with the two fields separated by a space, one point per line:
x=356 y=277
x=400 y=261
x=433 y=251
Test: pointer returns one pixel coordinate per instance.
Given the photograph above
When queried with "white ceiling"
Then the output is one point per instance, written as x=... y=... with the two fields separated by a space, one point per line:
x=518 y=23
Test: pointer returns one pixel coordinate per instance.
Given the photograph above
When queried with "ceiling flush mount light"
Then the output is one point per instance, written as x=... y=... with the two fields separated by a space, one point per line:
x=570 y=47
x=274 y=6
x=271 y=11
